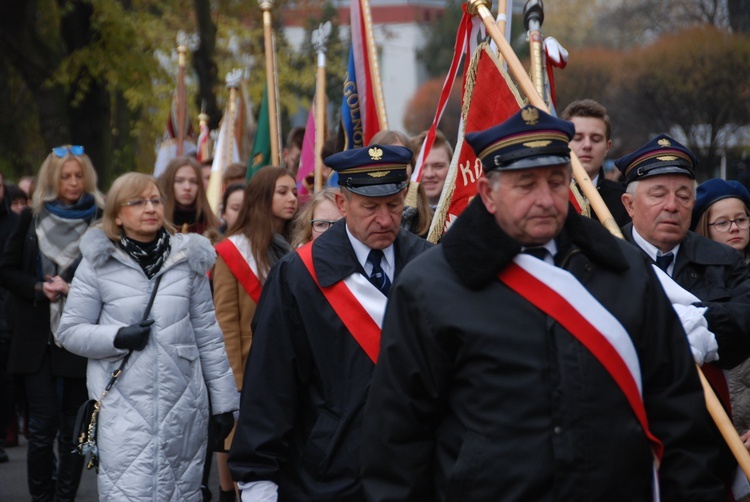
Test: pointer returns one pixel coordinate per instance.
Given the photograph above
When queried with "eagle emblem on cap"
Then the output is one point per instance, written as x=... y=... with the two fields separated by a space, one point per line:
x=375 y=153
x=530 y=115
x=664 y=142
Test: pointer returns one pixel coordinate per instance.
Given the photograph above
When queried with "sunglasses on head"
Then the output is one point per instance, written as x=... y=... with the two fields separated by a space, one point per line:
x=62 y=151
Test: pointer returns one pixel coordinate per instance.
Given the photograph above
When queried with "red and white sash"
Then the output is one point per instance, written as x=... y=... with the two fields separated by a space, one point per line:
x=557 y=293
x=235 y=251
x=359 y=305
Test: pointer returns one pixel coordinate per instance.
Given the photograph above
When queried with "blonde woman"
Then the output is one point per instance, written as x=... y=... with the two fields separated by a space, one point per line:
x=317 y=216
x=153 y=424
x=37 y=267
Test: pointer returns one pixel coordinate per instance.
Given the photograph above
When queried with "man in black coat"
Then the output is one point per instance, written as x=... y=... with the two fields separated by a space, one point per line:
x=503 y=377
x=316 y=335
x=591 y=143
x=660 y=198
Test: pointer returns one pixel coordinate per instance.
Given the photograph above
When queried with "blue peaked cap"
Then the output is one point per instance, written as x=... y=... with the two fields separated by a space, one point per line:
x=661 y=155
x=372 y=171
x=529 y=138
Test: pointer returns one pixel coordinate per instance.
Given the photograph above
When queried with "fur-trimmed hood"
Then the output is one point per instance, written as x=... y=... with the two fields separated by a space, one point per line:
x=196 y=249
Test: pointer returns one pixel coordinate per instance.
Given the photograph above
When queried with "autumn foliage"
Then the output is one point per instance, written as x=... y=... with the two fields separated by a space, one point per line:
x=421 y=109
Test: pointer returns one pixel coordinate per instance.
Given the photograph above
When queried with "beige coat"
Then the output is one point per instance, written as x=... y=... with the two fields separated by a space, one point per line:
x=234 y=311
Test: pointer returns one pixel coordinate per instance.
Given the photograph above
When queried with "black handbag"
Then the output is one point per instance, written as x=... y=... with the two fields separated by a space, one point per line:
x=84 y=430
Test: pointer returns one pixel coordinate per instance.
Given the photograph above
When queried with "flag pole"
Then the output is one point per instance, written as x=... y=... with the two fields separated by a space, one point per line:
x=181 y=104
x=374 y=66
x=204 y=150
x=265 y=6
x=319 y=40
x=533 y=17
x=725 y=426
x=481 y=8
x=233 y=83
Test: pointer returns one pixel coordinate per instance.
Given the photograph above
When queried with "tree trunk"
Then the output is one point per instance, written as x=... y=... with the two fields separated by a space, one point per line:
x=203 y=62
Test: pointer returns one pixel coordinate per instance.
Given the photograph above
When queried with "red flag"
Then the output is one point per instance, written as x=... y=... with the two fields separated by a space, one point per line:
x=461 y=47
x=496 y=100
x=363 y=71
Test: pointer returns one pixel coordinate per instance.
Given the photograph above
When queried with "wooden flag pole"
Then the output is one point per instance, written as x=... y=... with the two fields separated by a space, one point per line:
x=319 y=40
x=265 y=6
x=725 y=426
x=234 y=78
x=372 y=55
x=203 y=122
x=533 y=17
x=481 y=8
x=181 y=99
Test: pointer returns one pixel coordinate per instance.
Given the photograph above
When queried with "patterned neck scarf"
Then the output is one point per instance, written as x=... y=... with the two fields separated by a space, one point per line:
x=149 y=255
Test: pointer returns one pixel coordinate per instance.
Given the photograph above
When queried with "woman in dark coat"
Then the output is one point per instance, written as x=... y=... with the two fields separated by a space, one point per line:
x=37 y=267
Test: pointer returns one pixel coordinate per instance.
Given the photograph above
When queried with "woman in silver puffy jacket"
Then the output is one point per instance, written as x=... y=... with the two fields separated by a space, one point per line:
x=152 y=427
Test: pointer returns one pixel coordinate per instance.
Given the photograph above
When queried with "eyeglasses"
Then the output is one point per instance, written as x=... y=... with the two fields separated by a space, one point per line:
x=141 y=203
x=62 y=151
x=742 y=223
x=321 y=226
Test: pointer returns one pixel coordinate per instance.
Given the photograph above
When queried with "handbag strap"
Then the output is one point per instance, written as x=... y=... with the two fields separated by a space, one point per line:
x=119 y=369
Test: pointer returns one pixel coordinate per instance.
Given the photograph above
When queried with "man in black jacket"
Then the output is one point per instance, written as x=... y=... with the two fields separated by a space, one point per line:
x=660 y=198
x=591 y=143
x=316 y=336
x=533 y=356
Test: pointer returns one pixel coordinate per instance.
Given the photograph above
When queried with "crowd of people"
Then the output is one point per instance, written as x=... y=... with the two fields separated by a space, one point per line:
x=322 y=349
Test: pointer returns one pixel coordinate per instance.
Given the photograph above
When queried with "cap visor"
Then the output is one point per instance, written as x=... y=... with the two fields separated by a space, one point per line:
x=537 y=161
x=668 y=170
x=378 y=190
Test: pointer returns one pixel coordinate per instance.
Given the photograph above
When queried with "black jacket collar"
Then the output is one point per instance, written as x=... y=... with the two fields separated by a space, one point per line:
x=334 y=258
x=478 y=249
x=694 y=249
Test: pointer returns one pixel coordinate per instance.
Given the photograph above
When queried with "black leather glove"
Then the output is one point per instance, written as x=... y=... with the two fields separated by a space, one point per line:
x=222 y=424
x=135 y=336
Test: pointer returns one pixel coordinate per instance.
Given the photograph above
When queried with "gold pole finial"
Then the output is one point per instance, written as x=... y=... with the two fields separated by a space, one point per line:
x=472 y=6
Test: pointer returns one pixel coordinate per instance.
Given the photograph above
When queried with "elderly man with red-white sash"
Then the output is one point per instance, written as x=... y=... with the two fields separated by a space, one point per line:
x=533 y=356
x=316 y=337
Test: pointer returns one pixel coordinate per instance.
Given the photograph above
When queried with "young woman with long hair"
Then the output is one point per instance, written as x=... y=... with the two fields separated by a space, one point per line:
x=256 y=241
x=186 y=205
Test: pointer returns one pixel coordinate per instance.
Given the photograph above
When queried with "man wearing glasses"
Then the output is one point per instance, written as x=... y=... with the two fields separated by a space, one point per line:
x=659 y=197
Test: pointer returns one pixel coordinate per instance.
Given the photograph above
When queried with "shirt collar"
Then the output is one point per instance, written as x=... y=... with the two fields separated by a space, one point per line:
x=362 y=252
x=550 y=246
x=651 y=250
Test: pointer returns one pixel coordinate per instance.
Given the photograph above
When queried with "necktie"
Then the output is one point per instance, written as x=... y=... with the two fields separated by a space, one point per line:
x=378 y=276
x=664 y=261
x=536 y=252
